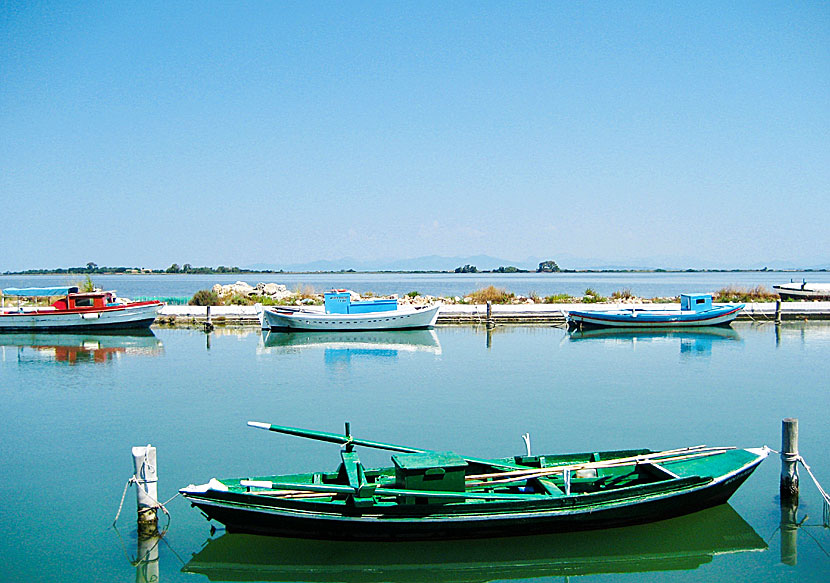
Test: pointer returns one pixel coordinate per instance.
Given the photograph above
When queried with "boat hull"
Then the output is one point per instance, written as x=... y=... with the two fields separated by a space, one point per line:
x=241 y=512
x=401 y=319
x=803 y=292
x=123 y=317
x=721 y=316
x=681 y=543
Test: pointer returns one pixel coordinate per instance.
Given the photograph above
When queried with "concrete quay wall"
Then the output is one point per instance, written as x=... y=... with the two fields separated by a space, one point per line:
x=471 y=314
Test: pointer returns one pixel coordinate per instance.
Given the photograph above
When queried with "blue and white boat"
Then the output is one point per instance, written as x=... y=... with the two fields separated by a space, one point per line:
x=340 y=312
x=695 y=310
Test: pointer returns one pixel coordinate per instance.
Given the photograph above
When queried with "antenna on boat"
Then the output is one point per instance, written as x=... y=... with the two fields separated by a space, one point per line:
x=526 y=438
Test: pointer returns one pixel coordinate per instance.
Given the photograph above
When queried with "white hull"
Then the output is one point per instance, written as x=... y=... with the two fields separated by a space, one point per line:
x=400 y=319
x=797 y=291
x=112 y=318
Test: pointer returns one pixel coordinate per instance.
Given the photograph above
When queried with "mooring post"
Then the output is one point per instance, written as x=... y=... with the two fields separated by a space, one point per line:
x=208 y=323
x=777 y=312
x=490 y=322
x=146 y=480
x=789 y=459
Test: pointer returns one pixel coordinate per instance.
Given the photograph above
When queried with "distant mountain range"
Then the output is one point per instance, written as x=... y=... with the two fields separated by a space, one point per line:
x=488 y=263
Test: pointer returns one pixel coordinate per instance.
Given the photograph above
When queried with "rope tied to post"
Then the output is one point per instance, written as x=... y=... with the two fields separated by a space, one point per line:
x=155 y=506
x=791 y=457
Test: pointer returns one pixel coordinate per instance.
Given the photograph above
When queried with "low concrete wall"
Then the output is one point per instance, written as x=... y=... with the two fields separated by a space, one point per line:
x=502 y=314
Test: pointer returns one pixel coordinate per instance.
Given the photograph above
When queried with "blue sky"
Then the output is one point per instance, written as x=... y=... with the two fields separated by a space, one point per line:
x=283 y=132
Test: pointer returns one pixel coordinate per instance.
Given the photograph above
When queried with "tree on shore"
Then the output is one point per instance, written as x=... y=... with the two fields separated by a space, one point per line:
x=548 y=267
x=467 y=269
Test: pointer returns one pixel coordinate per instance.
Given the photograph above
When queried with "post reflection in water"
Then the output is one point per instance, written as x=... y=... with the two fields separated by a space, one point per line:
x=147 y=560
x=693 y=341
x=683 y=543
x=340 y=348
x=79 y=348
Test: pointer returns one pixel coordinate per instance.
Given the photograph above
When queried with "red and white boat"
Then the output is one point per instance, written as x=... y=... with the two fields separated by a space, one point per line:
x=75 y=310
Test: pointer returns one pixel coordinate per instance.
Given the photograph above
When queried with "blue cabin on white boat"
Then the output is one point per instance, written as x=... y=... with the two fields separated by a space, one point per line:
x=340 y=302
x=695 y=302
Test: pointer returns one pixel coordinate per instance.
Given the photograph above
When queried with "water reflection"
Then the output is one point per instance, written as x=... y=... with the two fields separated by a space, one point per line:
x=80 y=348
x=682 y=543
x=693 y=341
x=341 y=347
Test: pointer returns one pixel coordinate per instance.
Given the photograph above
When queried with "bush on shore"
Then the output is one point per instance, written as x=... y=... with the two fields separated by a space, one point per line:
x=592 y=297
x=205 y=297
x=491 y=294
x=733 y=293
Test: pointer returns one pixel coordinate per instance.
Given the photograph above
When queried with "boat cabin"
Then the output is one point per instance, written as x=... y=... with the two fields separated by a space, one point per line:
x=70 y=297
x=695 y=302
x=340 y=302
x=74 y=301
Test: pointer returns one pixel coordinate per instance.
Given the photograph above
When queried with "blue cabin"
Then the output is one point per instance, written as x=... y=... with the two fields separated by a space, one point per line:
x=340 y=302
x=695 y=302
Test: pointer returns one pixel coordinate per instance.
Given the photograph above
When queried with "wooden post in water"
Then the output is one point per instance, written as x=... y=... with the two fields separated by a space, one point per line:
x=146 y=481
x=208 y=323
x=777 y=312
x=789 y=460
x=490 y=322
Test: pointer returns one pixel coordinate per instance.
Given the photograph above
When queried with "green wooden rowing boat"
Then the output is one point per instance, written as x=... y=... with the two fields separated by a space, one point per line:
x=429 y=494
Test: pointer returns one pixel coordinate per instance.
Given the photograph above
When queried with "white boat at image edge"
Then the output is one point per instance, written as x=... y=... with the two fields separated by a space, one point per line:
x=75 y=310
x=695 y=310
x=803 y=291
x=340 y=312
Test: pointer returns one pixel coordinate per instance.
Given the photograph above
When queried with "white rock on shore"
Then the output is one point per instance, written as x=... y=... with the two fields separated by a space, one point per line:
x=275 y=291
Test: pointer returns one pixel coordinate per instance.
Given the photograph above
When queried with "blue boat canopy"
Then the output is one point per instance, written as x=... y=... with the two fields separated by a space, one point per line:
x=31 y=292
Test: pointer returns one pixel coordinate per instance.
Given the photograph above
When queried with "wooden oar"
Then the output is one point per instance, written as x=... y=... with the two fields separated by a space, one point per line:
x=375 y=490
x=656 y=456
x=544 y=472
x=350 y=441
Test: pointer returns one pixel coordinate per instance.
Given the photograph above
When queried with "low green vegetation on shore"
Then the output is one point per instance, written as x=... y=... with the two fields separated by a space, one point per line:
x=234 y=295
x=740 y=294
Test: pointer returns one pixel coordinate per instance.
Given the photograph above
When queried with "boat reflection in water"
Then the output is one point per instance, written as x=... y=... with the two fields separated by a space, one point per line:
x=75 y=349
x=693 y=341
x=683 y=543
x=341 y=347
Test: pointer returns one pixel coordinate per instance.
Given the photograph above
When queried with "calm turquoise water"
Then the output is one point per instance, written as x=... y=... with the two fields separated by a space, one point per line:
x=646 y=285
x=73 y=406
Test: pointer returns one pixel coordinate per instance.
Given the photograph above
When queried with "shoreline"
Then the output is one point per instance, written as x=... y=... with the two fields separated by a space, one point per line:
x=475 y=314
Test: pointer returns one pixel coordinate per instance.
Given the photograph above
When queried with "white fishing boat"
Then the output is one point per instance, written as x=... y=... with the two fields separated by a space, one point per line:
x=74 y=310
x=803 y=291
x=340 y=312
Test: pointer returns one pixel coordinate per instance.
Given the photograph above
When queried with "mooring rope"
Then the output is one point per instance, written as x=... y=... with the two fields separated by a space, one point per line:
x=123 y=495
x=795 y=457
x=156 y=504
x=815 y=481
